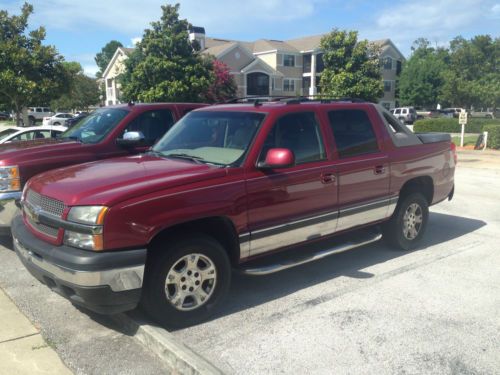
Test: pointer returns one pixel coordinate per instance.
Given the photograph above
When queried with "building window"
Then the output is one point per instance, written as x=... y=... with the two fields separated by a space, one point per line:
x=320 y=65
x=398 y=67
x=387 y=86
x=257 y=84
x=387 y=63
x=289 y=60
x=288 y=85
x=306 y=68
x=306 y=83
x=109 y=82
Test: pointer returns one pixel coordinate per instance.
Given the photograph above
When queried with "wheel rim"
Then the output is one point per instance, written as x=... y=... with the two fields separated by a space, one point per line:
x=412 y=221
x=190 y=282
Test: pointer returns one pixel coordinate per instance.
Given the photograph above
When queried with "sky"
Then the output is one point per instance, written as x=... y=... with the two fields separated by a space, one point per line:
x=79 y=29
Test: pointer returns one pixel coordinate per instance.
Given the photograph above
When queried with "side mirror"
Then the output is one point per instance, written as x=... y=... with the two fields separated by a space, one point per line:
x=278 y=158
x=131 y=139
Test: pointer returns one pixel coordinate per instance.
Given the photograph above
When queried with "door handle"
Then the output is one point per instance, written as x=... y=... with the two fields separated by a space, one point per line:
x=327 y=178
x=379 y=169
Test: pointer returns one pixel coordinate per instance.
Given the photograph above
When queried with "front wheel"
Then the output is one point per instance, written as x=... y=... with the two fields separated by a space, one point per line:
x=185 y=282
x=407 y=225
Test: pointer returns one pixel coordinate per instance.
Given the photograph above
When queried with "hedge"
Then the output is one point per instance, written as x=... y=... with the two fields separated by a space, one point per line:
x=451 y=125
x=493 y=136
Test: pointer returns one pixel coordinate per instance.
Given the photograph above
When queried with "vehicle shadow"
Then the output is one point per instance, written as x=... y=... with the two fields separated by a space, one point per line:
x=251 y=291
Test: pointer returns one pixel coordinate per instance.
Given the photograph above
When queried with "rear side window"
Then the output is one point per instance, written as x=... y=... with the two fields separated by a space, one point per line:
x=353 y=132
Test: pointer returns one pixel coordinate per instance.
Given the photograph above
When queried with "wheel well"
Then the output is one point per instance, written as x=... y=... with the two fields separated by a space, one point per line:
x=422 y=185
x=220 y=228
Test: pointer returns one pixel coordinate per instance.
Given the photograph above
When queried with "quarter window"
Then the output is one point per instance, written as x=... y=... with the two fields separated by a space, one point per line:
x=298 y=132
x=353 y=132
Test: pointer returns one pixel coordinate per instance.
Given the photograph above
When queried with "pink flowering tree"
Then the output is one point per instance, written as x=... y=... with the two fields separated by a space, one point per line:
x=223 y=86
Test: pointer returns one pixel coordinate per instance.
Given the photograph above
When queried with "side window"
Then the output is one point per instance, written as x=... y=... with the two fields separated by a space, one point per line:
x=397 y=111
x=27 y=136
x=153 y=124
x=41 y=134
x=38 y=109
x=353 y=132
x=299 y=132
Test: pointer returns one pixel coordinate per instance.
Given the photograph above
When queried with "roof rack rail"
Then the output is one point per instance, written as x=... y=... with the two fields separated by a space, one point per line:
x=254 y=98
x=258 y=100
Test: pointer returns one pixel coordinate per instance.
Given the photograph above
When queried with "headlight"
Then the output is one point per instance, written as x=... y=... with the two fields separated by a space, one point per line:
x=83 y=240
x=92 y=215
x=88 y=215
x=9 y=179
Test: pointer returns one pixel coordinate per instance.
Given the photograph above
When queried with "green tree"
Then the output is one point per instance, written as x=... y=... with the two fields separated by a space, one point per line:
x=164 y=66
x=30 y=73
x=83 y=91
x=351 y=67
x=423 y=75
x=474 y=71
x=103 y=58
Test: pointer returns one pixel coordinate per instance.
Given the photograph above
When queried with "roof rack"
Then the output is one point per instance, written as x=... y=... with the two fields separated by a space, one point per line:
x=258 y=100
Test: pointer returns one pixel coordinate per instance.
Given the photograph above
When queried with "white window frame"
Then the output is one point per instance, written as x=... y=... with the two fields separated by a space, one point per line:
x=285 y=55
x=289 y=81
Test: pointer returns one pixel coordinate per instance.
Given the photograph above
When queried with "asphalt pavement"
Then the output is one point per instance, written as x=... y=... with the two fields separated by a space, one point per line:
x=435 y=310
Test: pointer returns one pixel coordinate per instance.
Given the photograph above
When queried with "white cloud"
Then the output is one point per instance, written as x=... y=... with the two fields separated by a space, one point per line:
x=90 y=70
x=437 y=20
x=135 y=40
x=128 y=16
x=495 y=10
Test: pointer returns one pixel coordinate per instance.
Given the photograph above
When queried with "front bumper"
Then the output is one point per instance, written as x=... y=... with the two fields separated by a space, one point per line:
x=104 y=282
x=8 y=210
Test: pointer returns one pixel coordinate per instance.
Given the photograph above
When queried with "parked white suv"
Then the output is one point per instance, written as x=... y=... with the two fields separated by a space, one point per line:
x=38 y=113
x=408 y=115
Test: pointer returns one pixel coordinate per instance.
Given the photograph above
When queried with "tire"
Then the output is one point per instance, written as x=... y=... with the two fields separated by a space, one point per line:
x=172 y=261
x=404 y=231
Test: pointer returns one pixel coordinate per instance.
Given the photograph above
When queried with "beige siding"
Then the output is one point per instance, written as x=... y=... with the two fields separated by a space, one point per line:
x=231 y=59
x=269 y=59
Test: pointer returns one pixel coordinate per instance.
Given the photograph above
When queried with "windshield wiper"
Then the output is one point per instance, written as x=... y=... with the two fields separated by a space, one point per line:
x=196 y=159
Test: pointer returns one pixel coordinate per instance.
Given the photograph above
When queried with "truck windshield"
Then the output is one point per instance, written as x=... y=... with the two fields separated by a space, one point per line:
x=96 y=126
x=220 y=138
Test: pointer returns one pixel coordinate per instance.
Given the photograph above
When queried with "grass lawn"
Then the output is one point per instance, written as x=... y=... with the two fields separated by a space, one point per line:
x=468 y=140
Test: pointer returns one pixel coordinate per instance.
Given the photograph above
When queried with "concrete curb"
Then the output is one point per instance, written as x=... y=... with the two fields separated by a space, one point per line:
x=177 y=356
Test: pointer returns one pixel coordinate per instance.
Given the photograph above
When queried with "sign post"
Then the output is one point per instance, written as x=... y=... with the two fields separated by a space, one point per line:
x=462 y=120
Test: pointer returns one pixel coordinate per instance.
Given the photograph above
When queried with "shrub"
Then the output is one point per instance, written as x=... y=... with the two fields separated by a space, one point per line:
x=493 y=136
x=451 y=125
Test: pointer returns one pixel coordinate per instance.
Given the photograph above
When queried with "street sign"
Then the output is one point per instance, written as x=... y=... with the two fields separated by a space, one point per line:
x=462 y=120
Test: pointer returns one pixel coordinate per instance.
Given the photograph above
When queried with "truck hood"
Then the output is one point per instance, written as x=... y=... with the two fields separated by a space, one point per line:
x=15 y=153
x=111 y=181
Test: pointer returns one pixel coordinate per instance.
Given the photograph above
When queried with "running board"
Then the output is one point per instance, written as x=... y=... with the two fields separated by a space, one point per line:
x=289 y=263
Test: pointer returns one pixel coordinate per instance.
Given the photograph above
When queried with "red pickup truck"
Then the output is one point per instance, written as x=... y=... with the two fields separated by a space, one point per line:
x=225 y=188
x=99 y=136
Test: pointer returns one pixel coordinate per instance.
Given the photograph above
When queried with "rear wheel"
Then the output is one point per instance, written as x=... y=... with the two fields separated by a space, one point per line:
x=408 y=223
x=185 y=282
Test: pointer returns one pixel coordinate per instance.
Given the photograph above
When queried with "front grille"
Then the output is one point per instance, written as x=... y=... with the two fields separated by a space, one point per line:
x=45 y=229
x=45 y=204
x=50 y=205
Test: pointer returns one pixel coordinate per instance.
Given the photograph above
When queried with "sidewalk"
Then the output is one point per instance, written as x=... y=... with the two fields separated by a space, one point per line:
x=22 y=349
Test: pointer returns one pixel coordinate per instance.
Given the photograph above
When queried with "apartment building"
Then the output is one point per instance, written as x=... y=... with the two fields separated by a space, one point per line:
x=270 y=67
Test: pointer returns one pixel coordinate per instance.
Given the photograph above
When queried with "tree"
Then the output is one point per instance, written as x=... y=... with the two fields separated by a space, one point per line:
x=103 y=58
x=83 y=91
x=30 y=73
x=164 y=66
x=351 y=68
x=223 y=86
x=423 y=75
x=473 y=72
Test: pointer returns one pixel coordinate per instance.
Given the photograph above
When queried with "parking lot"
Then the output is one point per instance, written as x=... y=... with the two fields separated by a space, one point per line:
x=435 y=310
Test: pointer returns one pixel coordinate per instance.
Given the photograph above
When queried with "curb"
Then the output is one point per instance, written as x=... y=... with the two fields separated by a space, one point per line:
x=176 y=355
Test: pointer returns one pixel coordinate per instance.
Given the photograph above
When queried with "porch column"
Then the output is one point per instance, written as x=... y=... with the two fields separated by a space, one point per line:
x=312 y=89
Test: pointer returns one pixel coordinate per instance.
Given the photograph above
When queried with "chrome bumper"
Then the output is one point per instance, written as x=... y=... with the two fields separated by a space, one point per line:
x=8 y=210
x=119 y=279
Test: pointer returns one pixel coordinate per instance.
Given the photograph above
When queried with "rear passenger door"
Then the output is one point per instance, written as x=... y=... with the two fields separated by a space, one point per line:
x=362 y=167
